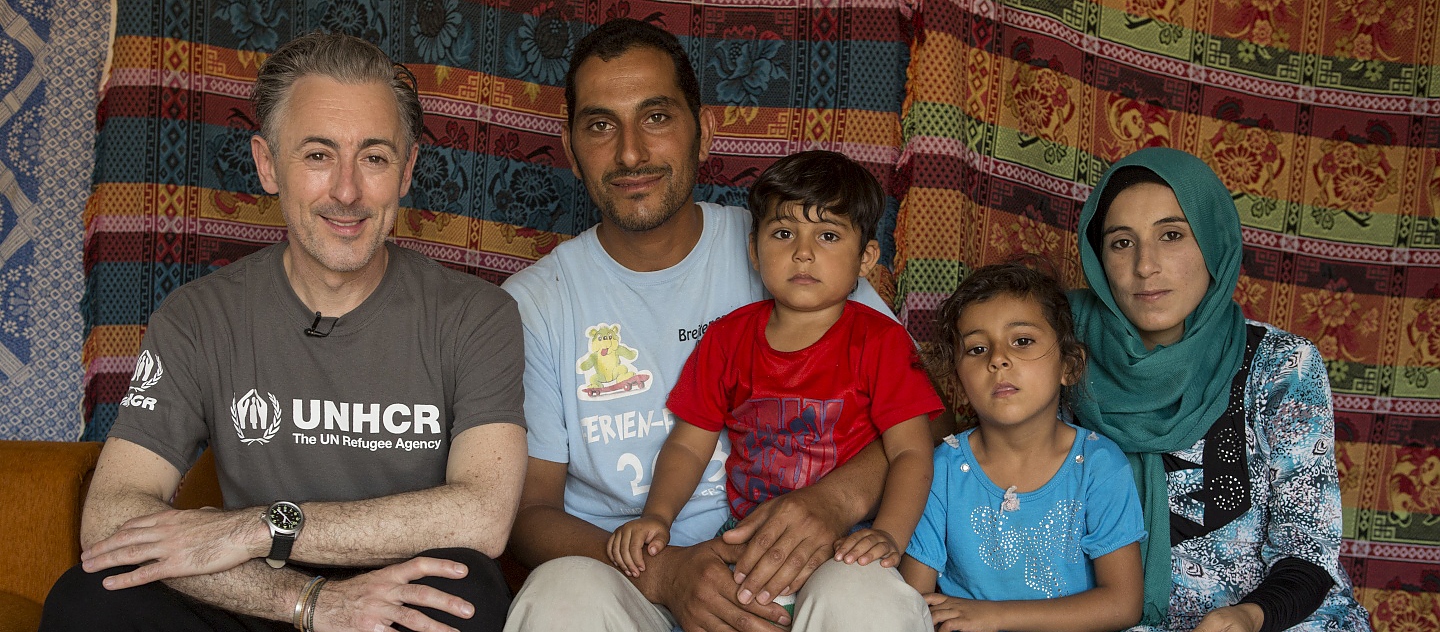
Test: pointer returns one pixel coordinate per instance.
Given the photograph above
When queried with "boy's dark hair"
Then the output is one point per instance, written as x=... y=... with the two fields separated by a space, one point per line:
x=822 y=182
x=617 y=37
x=1122 y=179
x=1028 y=276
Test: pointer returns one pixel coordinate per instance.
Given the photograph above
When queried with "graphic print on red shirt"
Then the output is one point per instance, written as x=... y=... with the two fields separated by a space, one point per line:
x=795 y=416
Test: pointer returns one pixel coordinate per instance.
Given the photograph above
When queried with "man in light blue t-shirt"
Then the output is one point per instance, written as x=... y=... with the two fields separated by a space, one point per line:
x=610 y=318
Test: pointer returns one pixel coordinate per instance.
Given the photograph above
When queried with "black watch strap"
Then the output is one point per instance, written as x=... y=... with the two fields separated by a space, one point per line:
x=279 y=550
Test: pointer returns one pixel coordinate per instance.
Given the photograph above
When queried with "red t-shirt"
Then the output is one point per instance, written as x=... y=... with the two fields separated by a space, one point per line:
x=795 y=416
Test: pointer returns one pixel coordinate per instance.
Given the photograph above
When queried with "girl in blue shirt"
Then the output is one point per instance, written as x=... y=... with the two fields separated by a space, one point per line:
x=1032 y=523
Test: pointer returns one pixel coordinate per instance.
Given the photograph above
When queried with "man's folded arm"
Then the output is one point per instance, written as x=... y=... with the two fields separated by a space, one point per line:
x=131 y=484
x=127 y=522
x=474 y=509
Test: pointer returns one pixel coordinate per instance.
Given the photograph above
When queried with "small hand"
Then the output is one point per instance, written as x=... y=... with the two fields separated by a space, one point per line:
x=953 y=614
x=867 y=545
x=1245 y=617
x=629 y=544
x=377 y=599
x=786 y=539
x=175 y=543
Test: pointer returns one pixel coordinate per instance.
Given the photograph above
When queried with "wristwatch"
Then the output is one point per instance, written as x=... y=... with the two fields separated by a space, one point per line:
x=284 y=520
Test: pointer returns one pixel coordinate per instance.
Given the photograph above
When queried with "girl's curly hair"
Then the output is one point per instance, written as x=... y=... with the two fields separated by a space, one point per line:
x=1025 y=276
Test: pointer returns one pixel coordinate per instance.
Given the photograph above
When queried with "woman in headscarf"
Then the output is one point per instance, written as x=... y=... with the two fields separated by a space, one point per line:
x=1227 y=422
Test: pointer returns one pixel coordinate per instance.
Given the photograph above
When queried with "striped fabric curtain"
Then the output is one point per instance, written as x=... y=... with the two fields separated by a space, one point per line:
x=176 y=195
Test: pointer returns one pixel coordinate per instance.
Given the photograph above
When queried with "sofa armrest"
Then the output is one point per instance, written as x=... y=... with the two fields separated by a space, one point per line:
x=42 y=487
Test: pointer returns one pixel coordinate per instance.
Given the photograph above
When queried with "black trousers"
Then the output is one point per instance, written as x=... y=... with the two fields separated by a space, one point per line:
x=79 y=602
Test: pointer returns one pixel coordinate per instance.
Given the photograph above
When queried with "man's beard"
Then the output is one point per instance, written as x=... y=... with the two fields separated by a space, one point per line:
x=649 y=217
x=679 y=189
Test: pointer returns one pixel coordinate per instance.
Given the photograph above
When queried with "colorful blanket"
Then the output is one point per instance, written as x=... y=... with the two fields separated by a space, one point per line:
x=176 y=196
x=1322 y=116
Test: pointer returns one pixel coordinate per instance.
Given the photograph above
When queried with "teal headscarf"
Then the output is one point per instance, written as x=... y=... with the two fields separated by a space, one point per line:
x=1153 y=402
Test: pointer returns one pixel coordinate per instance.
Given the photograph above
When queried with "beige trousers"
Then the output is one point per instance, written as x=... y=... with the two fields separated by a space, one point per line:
x=580 y=594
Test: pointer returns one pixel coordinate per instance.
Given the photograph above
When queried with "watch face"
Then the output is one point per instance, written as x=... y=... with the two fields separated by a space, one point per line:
x=285 y=516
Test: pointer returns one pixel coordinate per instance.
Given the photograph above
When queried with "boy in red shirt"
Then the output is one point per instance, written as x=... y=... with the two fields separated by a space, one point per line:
x=804 y=381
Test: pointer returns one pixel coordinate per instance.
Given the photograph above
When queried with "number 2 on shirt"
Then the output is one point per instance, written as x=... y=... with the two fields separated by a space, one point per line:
x=630 y=461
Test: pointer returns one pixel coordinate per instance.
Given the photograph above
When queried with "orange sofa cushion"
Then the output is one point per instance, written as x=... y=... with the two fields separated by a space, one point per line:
x=43 y=487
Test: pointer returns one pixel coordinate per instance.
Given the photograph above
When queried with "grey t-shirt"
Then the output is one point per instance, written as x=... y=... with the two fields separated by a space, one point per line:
x=368 y=410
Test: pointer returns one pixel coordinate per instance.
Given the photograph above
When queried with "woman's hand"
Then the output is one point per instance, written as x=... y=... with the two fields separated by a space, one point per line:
x=1245 y=617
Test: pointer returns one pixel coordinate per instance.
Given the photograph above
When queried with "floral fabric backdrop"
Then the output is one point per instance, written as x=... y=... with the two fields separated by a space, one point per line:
x=51 y=56
x=176 y=195
x=1323 y=117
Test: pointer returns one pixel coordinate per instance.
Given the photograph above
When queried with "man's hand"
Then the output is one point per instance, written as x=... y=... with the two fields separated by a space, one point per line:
x=630 y=543
x=952 y=614
x=176 y=543
x=695 y=583
x=867 y=545
x=785 y=539
x=1245 y=617
x=377 y=599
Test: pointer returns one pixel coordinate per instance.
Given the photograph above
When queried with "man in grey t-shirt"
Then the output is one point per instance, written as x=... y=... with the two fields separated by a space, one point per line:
x=364 y=404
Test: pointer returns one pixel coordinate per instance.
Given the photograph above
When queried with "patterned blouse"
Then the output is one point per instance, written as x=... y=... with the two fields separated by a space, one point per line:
x=1259 y=487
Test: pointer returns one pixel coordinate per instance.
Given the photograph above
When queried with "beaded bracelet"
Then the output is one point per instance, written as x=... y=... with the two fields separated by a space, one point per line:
x=310 y=606
x=298 y=619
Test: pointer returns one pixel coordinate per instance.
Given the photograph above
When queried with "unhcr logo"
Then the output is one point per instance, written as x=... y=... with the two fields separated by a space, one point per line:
x=148 y=371
x=256 y=420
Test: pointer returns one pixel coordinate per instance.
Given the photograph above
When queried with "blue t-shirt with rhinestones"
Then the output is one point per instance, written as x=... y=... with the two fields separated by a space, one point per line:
x=990 y=545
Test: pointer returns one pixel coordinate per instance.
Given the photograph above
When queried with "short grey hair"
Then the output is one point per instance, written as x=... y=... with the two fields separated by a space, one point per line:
x=344 y=58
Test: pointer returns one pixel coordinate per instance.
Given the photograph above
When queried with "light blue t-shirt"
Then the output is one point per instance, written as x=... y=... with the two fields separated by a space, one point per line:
x=1040 y=545
x=603 y=346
